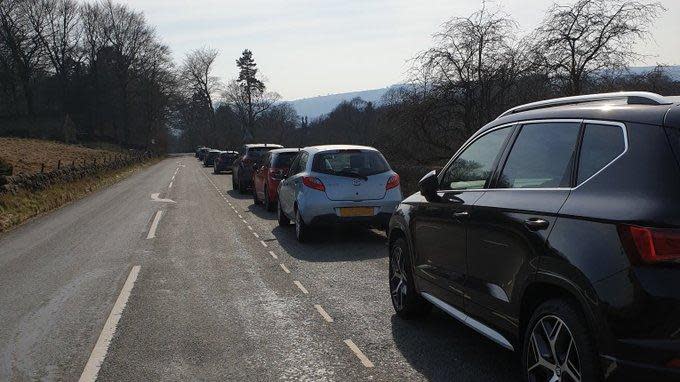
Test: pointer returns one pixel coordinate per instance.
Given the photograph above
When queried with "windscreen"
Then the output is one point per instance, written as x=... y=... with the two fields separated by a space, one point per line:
x=283 y=160
x=348 y=162
x=259 y=151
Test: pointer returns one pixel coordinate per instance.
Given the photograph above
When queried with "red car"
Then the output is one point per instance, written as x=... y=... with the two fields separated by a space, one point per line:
x=273 y=168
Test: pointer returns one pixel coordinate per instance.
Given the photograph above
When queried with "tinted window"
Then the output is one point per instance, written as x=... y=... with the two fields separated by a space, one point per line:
x=601 y=145
x=259 y=151
x=473 y=166
x=303 y=162
x=294 y=165
x=357 y=162
x=283 y=160
x=541 y=156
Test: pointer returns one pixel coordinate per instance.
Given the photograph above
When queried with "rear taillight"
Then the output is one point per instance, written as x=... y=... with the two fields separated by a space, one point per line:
x=392 y=182
x=651 y=245
x=313 y=182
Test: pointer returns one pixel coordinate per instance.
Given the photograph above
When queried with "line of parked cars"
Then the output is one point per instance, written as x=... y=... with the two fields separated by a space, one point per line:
x=554 y=230
x=219 y=160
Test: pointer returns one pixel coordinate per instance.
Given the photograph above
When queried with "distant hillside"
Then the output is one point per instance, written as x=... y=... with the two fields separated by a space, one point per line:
x=317 y=106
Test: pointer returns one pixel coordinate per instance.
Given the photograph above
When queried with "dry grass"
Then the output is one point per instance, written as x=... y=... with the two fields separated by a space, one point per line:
x=28 y=155
x=16 y=209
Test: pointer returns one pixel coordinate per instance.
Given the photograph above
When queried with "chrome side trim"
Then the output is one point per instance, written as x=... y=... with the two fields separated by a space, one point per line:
x=469 y=321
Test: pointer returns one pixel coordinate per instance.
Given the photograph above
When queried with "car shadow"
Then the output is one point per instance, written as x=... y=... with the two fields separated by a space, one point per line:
x=329 y=244
x=260 y=212
x=443 y=349
x=236 y=195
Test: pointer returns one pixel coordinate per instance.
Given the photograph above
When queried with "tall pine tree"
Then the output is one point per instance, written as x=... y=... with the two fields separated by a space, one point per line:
x=251 y=86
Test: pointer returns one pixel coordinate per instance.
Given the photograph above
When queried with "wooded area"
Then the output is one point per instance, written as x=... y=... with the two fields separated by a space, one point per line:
x=97 y=72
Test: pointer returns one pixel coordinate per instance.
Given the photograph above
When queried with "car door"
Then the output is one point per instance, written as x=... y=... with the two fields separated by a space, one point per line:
x=509 y=224
x=260 y=174
x=439 y=226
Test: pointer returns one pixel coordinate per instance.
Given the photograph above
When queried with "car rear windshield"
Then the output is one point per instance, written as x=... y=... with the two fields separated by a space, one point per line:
x=283 y=160
x=350 y=162
x=259 y=151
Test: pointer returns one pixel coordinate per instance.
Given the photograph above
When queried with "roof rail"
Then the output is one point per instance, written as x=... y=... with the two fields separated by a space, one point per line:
x=633 y=98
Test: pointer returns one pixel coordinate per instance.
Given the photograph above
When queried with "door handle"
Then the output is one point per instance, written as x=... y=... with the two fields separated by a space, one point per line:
x=461 y=215
x=536 y=224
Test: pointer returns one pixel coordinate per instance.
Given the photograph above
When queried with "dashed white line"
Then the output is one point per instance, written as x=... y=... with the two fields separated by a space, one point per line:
x=244 y=221
x=154 y=225
x=98 y=354
x=299 y=285
x=240 y=217
x=256 y=235
x=285 y=269
x=170 y=185
x=323 y=313
x=250 y=228
x=263 y=243
x=273 y=254
x=362 y=357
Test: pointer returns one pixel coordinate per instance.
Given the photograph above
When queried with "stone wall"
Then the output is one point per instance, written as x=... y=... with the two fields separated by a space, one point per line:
x=67 y=173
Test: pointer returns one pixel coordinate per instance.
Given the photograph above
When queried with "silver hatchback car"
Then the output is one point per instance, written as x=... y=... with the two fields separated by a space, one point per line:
x=338 y=184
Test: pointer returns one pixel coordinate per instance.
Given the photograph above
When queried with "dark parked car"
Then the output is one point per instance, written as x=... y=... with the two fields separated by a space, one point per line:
x=198 y=149
x=555 y=232
x=209 y=157
x=202 y=152
x=224 y=161
x=243 y=167
x=273 y=168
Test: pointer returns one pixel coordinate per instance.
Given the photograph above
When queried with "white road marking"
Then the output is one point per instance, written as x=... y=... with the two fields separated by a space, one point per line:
x=273 y=254
x=362 y=357
x=155 y=198
x=173 y=177
x=299 y=285
x=285 y=269
x=323 y=313
x=240 y=217
x=263 y=243
x=154 y=225
x=250 y=228
x=244 y=220
x=98 y=354
x=170 y=185
x=256 y=235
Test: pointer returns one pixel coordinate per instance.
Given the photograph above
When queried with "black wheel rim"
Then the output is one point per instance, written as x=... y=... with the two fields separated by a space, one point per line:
x=552 y=354
x=398 y=284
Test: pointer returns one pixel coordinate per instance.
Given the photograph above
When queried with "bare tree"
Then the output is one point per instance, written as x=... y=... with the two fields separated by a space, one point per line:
x=198 y=78
x=249 y=106
x=578 y=40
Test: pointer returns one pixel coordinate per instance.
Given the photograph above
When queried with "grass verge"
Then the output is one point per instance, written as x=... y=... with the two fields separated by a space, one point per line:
x=17 y=209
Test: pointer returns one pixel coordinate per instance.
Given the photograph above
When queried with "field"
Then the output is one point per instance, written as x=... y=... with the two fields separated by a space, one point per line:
x=28 y=155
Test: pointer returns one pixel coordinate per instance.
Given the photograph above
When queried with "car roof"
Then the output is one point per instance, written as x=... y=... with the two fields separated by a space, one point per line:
x=322 y=148
x=257 y=145
x=285 y=150
x=229 y=152
x=617 y=110
x=215 y=151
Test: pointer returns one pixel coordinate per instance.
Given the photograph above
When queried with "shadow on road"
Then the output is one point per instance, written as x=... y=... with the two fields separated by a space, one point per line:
x=443 y=349
x=333 y=244
x=260 y=212
x=236 y=195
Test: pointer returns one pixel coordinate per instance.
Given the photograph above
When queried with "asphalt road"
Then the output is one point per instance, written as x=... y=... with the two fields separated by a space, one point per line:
x=212 y=289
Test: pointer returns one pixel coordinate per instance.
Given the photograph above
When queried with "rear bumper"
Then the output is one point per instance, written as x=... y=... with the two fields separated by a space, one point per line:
x=380 y=220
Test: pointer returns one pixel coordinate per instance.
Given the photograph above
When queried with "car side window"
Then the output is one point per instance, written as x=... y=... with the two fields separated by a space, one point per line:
x=473 y=167
x=601 y=145
x=266 y=159
x=542 y=156
x=294 y=166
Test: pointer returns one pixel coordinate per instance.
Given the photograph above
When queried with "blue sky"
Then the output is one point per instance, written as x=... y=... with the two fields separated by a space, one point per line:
x=310 y=48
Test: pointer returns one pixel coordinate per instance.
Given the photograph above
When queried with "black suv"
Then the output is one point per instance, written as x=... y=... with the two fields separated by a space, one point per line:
x=555 y=232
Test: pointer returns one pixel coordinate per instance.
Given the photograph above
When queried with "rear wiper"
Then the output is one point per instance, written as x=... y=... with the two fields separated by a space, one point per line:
x=350 y=174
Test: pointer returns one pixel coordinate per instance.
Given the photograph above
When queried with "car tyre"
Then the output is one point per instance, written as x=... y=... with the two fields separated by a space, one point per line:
x=301 y=228
x=557 y=344
x=256 y=200
x=268 y=204
x=406 y=300
x=241 y=187
x=283 y=219
x=234 y=184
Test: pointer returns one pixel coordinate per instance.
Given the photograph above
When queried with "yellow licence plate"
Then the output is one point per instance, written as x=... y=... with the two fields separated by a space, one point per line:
x=356 y=211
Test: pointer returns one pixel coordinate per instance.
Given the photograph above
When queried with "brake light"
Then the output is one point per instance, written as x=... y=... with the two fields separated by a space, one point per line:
x=392 y=182
x=651 y=245
x=313 y=182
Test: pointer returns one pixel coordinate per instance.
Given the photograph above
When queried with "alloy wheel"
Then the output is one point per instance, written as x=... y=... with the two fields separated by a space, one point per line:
x=552 y=354
x=398 y=284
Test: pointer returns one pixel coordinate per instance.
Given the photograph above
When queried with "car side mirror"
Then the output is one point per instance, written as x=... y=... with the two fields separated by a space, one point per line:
x=429 y=185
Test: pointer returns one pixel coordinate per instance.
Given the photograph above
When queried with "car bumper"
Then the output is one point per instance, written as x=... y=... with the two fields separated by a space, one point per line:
x=317 y=209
